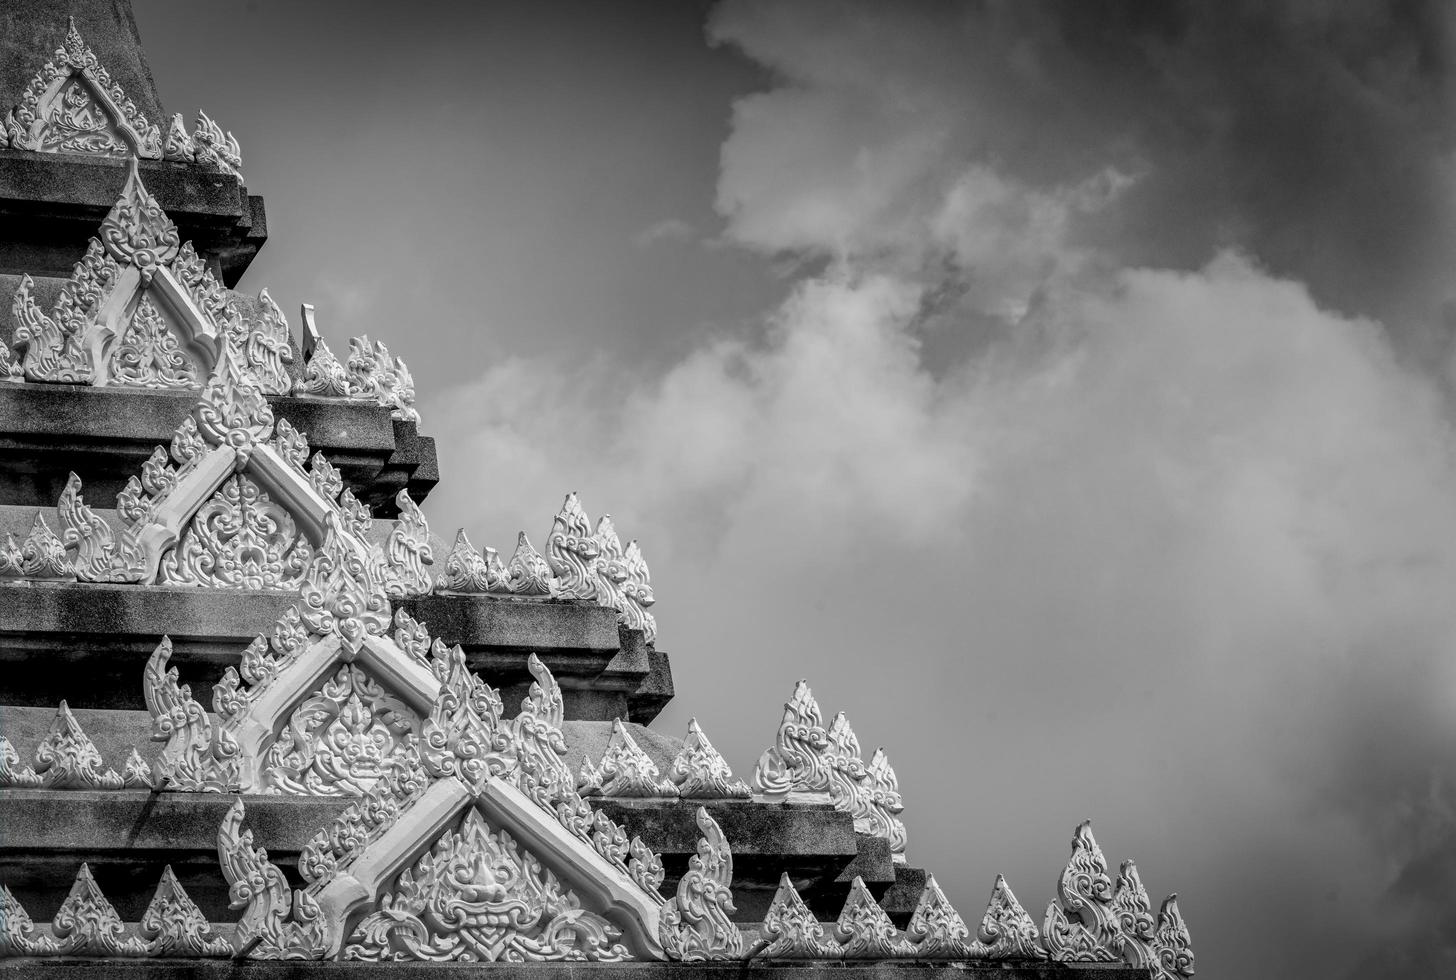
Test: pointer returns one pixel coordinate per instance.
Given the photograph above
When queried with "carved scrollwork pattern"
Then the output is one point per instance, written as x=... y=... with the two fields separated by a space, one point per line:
x=147 y=354
x=700 y=771
x=242 y=539
x=572 y=551
x=1007 y=930
x=696 y=923
x=67 y=759
x=791 y=930
x=863 y=930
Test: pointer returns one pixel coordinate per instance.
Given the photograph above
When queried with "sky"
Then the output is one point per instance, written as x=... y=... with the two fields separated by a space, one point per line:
x=1064 y=389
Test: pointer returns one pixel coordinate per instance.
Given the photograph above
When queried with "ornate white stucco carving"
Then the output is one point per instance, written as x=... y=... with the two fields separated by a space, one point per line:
x=610 y=565
x=808 y=763
x=467 y=757
x=13 y=775
x=323 y=375
x=936 y=930
x=10 y=369
x=87 y=924
x=791 y=930
x=571 y=551
x=67 y=759
x=212 y=149
x=136 y=774
x=1007 y=931
x=477 y=895
x=1080 y=924
x=72 y=106
x=239 y=538
x=40 y=557
x=407 y=551
x=274 y=925
x=467 y=571
x=177 y=145
x=627 y=771
x=700 y=771
x=863 y=930
x=142 y=310
x=369 y=374
x=173 y=925
x=696 y=924
x=794 y=764
x=1172 y=943
x=637 y=591
x=1132 y=911
x=527 y=573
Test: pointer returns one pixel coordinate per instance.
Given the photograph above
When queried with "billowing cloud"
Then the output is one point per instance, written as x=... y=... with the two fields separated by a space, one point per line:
x=1099 y=463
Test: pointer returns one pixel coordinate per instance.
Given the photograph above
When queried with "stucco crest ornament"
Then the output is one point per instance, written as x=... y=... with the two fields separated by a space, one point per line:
x=13 y=775
x=1007 y=930
x=187 y=762
x=863 y=930
x=696 y=924
x=407 y=551
x=369 y=374
x=791 y=930
x=323 y=375
x=1173 y=944
x=794 y=764
x=274 y=925
x=147 y=354
x=468 y=572
x=10 y=369
x=67 y=759
x=137 y=773
x=265 y=345
x=173 y=925
x=468 y=758
x=872 y=795
x=476 y=895
x=527 y=573
x=610 y=565
x=627 y=771
x=1132 y=910
x=936 y=930
x=177 y=145
x=40 y=557
x=700 y=772
x=87 y=924
x=1080 y=924
x=72 y=106
x=212 y=149
x=572 y=551
x=637 y=591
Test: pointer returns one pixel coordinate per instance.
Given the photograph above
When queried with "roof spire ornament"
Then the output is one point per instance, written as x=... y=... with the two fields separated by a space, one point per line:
x=937 y=931
x=863 y=930
x=625 y=770
x=1007 y=931
x=1080 y=925
x=695 y=925
x=68 y=759
x=701 y=772
x=792 y=931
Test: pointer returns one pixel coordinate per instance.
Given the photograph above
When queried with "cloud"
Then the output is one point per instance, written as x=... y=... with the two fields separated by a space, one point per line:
x=1095 y=463
x=666 y=230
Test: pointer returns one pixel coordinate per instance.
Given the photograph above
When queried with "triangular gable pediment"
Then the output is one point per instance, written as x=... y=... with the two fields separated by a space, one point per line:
x=72 y=105
x=141 y=309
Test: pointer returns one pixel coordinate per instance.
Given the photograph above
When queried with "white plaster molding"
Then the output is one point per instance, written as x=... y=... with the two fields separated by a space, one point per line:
x=178 y=146
x=87 y=924
x=323 y=375
x=571 y=551
x=527 y=573
x=637 y=591
x=1132 y=910
x=791 y=930
x=72 y=106
x=10 y=369
x=136 y=774
x=1080 y=924
x=173 y=925
x=936 y=930
x=212 y=149
x=1007 y=931
x=695 y=925
x=627 y=771
x=40 y=557
x=863 y=930
x=610 y=566
x=793 y=767
x=13 y=775
x=700 y=772
x=407 y=551
x=467 y=572
x=274 y=925
x=67 y=759
x=1173 y=944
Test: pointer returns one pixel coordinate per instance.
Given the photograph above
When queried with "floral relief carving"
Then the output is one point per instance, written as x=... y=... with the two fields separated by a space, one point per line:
x=40 y=557
x=863 y=930
x=240 y=538
x=212 y=149
x=936 y=930
x=177 y=146
x=1080 y=924
x=1006 y=930
x=571 y=551
x=638 y=595
x=695 y=923
x=792 y=932
x=67 y=759
x=625 y=770
x=527 y=573
x=700 y=772
x=147 y=354
x=13 y=775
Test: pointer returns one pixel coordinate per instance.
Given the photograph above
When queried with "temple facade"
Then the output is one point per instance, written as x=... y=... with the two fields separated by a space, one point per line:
x=253 y=708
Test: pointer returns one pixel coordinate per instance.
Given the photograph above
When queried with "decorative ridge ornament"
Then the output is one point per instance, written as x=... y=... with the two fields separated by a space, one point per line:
x=72 y=106
x=610 y=566
x=323 y=375
x=136 y=774
x=86 y=924
x=67 y=759
x=696 y=924
x=272 y=926
x=795 y=761
x=173 y=925
x=212 y=149
x=15 y=776
x=937 y=931
x=1080 y=924
x=408 y=551
x=136 y=231
x=792 y=931
x=864 y=931
x=627 y=771
x=700 y=771
x=1133 y=912
x=178 y=147
x=637 y=591
x=527 y=573
x=1007 y=931
x=41 y=557
x=1173 y=944
x=466 y=571
x=571 y=551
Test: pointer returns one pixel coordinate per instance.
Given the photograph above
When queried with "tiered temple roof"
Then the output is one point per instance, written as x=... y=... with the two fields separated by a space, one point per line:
x=413 y=751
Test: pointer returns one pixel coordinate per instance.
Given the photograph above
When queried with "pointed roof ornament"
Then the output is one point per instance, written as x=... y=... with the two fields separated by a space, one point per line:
x=792 y=931
x=626 y=771
x=936 y=930
x=1007 y=931
x=863 y=930
x=173 y=925
x=67 y=759
x=136 y=230
x=701 y=772
x=1174 y=946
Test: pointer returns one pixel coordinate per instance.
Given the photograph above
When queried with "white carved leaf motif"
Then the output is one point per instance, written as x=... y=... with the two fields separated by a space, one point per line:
x=187 y=761
x=863 y=930
x=13 y=775
x=323 y=375
x=1173 y=944
x=637 y=591
x=178 y=146
x=264 y=343
x=67 y=759
x=477 y=896
x=1079 y=924
x=240 y=538
x=1006 y=930
x=101 y=555
x=40 y=557
x=792 y=931
x=527 y=573
x=272 y=926
x=173 y=925
x=212 y=149
x=627 y=771
x=467 y=571
x=696 y=924
x=700 y=771
x=407 y=551
x=18 y=935
x=795 y=762
x=571 y=551
x=937 y=931
x=51 y=348
x=87 y=925
x=1133 y=912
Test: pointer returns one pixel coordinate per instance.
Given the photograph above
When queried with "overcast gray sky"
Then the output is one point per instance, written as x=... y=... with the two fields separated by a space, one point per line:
x=1064 y=389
